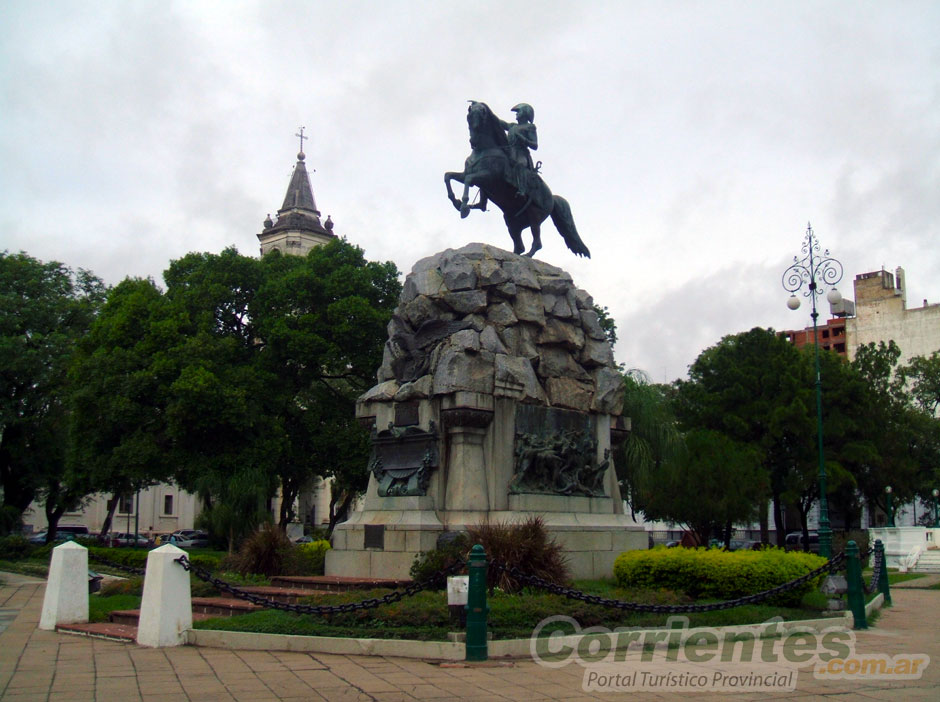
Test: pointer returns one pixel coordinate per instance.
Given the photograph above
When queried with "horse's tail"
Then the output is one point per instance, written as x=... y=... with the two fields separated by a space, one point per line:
x=564 y=223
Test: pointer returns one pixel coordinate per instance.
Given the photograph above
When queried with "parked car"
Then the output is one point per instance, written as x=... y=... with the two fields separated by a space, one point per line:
x=120 y=538
x=188 y=533
x=64 y=532
x=200 y=540
x=743 y=545
x=795 y=541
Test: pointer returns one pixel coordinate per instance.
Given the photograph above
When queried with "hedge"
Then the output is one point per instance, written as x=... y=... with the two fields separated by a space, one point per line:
x=137 y=558
x=714 y=574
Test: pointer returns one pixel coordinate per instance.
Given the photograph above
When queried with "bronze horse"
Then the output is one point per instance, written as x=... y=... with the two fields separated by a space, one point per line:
x=487 y=168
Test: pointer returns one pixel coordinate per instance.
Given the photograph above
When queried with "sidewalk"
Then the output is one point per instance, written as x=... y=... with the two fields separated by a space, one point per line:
x=41 y=665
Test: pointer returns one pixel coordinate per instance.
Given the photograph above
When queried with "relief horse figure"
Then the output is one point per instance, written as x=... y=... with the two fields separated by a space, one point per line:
x=488 y=168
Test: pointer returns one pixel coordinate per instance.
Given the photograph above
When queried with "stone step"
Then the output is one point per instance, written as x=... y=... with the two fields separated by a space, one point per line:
x=131 y=617
x=288 y=595
x=101 y=630
x=335 y=583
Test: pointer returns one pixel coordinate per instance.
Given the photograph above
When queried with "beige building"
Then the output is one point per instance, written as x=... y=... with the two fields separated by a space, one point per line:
x=882 y=314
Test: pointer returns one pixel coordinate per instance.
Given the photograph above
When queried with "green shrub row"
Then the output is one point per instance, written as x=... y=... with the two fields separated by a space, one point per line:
x=716 y=574
x=137 y=558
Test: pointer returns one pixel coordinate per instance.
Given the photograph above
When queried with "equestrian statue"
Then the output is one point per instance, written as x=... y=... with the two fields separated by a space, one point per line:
x=500 y=165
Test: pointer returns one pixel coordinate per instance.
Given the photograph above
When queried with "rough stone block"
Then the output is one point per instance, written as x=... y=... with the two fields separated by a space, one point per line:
x=490 y=340
x=591 y=325
x=528 y=307
x=501 y=314
x=569 y=393
x=521 y=273
x=596 y=353
x=460 y=371
x=518 y=371
x=458 y=273
x=562 y=334
x=608 y=391
x=465 y=301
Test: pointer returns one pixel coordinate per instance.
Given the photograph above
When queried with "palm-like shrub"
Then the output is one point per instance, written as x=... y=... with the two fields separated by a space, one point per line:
x=525 y=545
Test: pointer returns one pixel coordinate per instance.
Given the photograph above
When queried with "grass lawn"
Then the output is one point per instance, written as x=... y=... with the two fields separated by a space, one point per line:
x=893 y=576
x=425 y=616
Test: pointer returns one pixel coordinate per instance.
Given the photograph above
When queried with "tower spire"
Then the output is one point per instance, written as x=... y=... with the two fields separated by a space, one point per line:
x=298 y=228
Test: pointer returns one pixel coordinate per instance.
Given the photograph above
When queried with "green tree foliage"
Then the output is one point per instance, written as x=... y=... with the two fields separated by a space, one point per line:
x=712 y=483
x=749 y=387
x=653 y=440
x=922 y=376
x=238 y=380
x=119 y=377
x=896 y=427
x=44 y=309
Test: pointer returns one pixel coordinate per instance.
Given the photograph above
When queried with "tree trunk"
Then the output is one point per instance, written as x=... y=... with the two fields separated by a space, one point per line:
x=337 y=515
x=112 y=508
x=289 y=492
x=727 y=535
x=779 y=525
x=764 y=530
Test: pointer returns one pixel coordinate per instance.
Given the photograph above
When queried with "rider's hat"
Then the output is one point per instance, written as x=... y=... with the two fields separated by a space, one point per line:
x=526 y=109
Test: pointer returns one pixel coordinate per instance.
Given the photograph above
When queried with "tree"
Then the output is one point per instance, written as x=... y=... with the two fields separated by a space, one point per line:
x=44 y=309
x=119 y=378
x=712 y=483
x=749 y=387
x=238 y=380
x=922 y=376
x=653 y=439
x=895 y=427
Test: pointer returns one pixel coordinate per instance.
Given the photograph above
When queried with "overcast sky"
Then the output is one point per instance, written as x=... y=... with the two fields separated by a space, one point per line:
x=694 y=140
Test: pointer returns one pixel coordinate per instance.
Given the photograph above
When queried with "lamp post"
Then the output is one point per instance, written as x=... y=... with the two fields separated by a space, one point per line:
x=814 y=271
x=936 y=514
x=888 y=492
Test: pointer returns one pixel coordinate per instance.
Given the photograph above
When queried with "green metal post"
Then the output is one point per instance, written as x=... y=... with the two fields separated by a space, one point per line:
x=883 y=586
x=853 y=574
x=477 y=609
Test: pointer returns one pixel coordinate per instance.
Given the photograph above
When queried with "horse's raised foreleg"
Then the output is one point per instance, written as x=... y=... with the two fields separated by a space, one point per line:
x=449 y=176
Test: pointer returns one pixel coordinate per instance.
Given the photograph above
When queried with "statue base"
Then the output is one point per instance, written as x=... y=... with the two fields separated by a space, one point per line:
x=498 y=399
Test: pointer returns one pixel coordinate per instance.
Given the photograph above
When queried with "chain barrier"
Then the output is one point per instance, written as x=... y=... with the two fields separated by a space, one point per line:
x=117 y=566
x=573 y=594
x=875 y=571
x=371 y=603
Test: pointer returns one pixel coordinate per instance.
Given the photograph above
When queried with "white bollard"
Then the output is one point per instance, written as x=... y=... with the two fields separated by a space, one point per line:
x=166 y=610
x=66 y=600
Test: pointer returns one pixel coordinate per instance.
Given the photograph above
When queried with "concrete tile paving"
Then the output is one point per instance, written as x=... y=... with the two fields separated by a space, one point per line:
x=37 y=665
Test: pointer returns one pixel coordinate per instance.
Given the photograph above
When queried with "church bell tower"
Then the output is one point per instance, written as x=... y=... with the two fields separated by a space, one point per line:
x=298 y=228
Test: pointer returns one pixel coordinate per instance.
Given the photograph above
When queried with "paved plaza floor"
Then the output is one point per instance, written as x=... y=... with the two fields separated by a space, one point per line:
x=41 y=665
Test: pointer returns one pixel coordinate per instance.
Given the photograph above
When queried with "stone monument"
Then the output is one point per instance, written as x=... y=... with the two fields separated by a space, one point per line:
x=498 y=398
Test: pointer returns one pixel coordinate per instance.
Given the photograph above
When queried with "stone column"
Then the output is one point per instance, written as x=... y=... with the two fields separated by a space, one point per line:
x=466 y=489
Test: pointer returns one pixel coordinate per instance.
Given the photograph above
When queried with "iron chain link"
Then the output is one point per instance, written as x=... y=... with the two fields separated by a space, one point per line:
x=116 y=565
x=371 y=603
x=573 y=594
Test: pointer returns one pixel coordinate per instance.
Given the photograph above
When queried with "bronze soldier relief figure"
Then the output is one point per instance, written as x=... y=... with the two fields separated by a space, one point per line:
x=501 y=167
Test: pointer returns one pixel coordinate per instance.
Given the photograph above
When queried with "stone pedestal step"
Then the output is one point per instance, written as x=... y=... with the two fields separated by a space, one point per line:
x=335 y=583
x=289 y=595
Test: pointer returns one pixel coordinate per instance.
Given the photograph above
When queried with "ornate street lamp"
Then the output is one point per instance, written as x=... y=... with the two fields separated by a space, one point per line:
x=816 y=270
x=936 y=514
x=888 y=492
